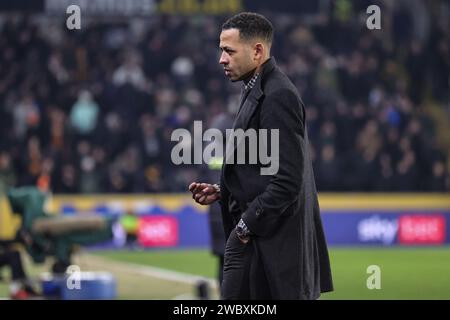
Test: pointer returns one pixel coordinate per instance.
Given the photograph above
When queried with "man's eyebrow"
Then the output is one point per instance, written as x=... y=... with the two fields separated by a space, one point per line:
x=226 y=48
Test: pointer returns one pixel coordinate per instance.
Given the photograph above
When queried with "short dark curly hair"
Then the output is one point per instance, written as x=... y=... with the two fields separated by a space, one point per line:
x=250 y=25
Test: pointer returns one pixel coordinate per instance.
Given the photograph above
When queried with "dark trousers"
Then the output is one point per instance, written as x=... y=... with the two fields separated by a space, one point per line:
x=243 y=273
x=12 y=259
x=220 y=271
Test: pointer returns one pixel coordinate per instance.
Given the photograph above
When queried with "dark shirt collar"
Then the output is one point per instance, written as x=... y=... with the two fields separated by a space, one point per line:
x=250 y=83
x=266 y=66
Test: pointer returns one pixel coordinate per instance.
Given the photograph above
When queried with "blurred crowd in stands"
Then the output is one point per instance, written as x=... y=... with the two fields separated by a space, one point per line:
x=92 y=110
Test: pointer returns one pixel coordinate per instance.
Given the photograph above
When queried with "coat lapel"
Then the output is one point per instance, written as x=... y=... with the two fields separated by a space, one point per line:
x=252 y=101
x=248 y=108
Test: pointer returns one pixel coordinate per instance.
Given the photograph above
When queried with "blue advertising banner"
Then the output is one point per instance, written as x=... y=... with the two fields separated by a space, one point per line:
x=161 y=221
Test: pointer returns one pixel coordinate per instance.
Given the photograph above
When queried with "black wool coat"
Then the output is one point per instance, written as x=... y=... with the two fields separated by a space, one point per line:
x=281 y=210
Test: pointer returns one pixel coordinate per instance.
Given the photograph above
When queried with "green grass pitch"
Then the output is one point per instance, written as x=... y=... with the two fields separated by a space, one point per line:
x=406 y=273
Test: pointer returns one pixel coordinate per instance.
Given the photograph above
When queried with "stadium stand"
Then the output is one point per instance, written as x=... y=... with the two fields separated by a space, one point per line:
x=92 y=111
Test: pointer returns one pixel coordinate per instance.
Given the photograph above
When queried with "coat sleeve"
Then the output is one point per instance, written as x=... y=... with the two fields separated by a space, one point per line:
x=284 y=111
x=226 y=218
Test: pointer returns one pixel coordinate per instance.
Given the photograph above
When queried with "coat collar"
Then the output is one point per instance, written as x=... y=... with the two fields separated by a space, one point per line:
x=267 y=67
x=256 y=93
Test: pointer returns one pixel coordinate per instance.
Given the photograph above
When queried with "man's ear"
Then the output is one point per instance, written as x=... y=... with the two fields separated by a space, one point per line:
x=259 y=51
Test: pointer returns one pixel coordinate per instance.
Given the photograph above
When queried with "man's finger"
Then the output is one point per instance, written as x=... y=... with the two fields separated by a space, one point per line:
x=197 y=196
x=192 y=186
x=197 y=188
x=205 y=185
x=207 y=190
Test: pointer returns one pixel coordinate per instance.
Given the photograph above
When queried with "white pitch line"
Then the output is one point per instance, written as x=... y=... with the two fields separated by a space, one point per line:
x=184 y=296
x=164 y=274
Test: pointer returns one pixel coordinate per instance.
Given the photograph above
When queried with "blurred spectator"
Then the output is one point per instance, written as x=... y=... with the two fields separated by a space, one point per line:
x=26 y=116
x=328 y=169
x=20 y=287
x=439 y=178
x=7 y=174
x=130 y=72
x=68 y=182
x=83 y=116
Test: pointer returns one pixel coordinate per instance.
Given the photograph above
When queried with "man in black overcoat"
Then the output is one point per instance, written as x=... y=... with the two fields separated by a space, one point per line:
x=276 y=247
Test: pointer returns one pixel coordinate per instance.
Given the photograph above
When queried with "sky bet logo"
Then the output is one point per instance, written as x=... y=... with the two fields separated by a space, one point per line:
x=412 y=229
x=377 y=229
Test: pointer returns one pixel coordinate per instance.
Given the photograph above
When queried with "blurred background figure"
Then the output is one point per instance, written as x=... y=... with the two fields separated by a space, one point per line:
x=84 y=113
x=20 y=286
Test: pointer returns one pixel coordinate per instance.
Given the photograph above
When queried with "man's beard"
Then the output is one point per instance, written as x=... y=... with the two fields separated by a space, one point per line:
x=246 y=77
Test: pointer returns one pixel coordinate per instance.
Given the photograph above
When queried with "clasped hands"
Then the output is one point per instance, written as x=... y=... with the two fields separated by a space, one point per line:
x=204 y=193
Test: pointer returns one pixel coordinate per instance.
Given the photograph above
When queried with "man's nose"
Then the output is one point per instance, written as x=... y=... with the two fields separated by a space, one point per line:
x=223 y=59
